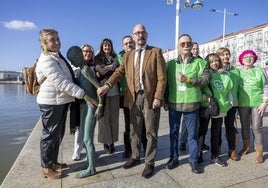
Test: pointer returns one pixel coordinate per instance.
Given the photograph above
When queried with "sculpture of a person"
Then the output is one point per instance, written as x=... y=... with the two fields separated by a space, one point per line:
x=89 y=112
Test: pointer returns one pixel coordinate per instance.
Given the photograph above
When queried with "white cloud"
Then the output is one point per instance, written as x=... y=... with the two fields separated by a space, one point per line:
x=19 y=25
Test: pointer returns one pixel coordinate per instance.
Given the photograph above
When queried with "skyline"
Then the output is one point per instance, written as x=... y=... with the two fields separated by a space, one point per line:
x=85 y=21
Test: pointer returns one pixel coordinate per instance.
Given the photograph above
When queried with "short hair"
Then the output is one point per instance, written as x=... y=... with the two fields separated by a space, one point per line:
x=245 y=52
x=43 y=36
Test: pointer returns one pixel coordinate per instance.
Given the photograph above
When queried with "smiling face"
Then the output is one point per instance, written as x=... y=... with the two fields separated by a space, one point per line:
x=107 y=48
x=128 y=44
x=214 y=61
x=87 y=53
x=53 y=43
x=50 y=41
x=248 y=60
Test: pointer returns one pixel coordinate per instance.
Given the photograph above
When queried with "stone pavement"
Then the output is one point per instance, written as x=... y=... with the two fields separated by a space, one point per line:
x=244 y=173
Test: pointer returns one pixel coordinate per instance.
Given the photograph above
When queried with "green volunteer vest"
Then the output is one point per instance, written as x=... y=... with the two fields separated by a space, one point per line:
x=250 y=91
x=235 y=76
x=192 y=69
x=221 y=85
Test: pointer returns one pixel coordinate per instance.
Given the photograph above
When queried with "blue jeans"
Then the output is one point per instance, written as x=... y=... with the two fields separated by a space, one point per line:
x=190 y=119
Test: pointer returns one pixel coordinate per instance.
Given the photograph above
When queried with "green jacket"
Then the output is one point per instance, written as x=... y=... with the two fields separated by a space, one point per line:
x=221 y=86
x=251 y=85
x=188 y=100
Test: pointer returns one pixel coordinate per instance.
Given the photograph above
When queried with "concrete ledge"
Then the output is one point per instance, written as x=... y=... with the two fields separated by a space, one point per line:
x=244 y=173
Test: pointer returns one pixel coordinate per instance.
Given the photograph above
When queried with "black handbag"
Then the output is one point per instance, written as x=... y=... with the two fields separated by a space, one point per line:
x=212 y=110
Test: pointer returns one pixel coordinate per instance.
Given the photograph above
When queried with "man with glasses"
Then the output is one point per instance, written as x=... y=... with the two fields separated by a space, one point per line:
x=145 y=71
x=186 y=76
x=128 y=45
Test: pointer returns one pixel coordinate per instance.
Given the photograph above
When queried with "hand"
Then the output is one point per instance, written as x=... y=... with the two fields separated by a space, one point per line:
x=165 y=107
x=102 y=90
x=262 y=109
x=110 y=67
x=156 y=103
x=90 y=100
x=101 y=70
x=182 y=78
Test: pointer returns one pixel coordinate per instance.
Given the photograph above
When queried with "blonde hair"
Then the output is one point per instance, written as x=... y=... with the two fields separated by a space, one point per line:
x=221 y=50
x=43 y=36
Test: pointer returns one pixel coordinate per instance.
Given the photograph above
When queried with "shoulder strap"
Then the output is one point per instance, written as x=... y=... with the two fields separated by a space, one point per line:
x=69 y=67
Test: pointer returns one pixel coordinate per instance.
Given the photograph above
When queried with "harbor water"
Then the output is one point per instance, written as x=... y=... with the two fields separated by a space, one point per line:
x=19 y=113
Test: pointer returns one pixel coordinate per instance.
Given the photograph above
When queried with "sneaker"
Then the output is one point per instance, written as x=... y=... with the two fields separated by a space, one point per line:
x=195 y=168
x=218 y=161
x=76 y=157
x=183 y=146
x=172 y=163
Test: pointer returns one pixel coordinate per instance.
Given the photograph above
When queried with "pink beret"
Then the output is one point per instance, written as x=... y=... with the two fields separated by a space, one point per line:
x=245 y=53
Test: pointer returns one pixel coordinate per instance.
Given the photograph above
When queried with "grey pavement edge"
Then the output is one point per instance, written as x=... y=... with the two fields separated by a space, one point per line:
x=244 y=173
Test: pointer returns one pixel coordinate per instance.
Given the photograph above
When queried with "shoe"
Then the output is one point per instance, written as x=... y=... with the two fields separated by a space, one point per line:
x=109 y=151
x=126 y=154
x=232 y=154
x=50 y=173
x=76 y=157
x=59 y=166
x=218 y=161
x=195 y=168
x=106 y=147
x=131 y=163
x=172 y=163
x=204 y=147
x=112 y=148
x=200 y=160
x=148 y=170
x=183 y=146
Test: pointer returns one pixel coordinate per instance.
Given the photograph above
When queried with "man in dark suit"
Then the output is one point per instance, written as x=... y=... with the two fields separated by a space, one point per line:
x=143 y=97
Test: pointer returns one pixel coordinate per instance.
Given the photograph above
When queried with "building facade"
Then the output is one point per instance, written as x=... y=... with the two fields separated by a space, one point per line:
x=255 y=38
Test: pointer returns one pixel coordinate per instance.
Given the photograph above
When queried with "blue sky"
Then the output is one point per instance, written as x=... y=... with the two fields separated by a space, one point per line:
x=90 y=21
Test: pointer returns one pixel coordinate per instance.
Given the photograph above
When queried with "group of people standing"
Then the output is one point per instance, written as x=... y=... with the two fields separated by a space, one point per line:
x=141 y=82
x=240 y=91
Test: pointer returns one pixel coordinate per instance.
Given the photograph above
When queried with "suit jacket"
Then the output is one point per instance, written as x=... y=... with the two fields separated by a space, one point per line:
x=153 y=76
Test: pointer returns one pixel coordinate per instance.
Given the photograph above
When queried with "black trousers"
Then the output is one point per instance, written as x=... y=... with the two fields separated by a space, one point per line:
x=230 y=128
x=53 y=122
x=216 y=125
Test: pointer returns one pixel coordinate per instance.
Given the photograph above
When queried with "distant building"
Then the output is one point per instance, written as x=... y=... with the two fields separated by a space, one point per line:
x=255 y=38
x=11 y=75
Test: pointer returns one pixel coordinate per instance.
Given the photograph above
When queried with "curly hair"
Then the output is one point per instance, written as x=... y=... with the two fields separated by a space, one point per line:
x=245 y=52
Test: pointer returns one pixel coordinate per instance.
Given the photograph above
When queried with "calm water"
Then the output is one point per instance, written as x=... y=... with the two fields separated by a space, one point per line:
x=19 y=113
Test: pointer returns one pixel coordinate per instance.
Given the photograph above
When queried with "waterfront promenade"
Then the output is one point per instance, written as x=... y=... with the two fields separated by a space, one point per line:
x=244 y=173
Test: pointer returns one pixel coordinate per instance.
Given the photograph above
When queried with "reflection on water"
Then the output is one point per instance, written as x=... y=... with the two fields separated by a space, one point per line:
x=18 y=110
x=19 y=113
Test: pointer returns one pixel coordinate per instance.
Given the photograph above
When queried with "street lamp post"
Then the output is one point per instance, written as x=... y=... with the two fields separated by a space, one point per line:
x=196 y=5
x=224 y=12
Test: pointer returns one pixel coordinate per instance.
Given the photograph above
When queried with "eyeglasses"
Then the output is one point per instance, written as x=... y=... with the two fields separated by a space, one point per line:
x=140 y=33
x=86 y=51
x=250 y=57
x=183 y=44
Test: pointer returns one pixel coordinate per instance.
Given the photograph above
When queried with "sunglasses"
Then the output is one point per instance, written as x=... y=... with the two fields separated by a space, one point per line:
x=184 y=44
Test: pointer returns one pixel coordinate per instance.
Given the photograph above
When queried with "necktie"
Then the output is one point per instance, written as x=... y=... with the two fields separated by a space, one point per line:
x=137 y=71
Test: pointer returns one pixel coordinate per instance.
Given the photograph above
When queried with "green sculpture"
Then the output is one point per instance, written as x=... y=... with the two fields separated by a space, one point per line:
x=89 y=113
